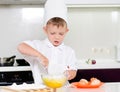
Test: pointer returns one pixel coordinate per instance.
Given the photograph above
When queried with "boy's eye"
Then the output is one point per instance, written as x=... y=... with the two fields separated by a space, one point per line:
x=61 y=33
x=52 y=33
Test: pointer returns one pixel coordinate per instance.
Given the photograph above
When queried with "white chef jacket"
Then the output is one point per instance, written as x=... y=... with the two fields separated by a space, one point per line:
x=60 y=58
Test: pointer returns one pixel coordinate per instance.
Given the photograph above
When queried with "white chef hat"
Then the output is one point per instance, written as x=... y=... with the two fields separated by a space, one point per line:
x=55 y=8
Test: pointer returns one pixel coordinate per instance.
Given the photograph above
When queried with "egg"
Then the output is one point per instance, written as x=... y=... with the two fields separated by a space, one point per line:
x=94 y=81
x=83 y=82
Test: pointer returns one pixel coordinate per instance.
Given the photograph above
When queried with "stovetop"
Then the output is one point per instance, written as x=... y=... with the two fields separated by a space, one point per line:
x=13 y=62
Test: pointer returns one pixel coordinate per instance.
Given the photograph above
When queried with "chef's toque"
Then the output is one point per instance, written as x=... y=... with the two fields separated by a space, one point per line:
x=55 y=8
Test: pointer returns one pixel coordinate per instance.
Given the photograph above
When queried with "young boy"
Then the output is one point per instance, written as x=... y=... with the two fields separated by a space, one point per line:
x=51 y=50
x=52 y=53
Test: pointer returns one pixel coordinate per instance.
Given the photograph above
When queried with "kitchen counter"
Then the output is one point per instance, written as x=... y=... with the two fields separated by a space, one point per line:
x=79 y=66
x=15 y=68
x=83 y=65
x=106 y=87
x=100 y=64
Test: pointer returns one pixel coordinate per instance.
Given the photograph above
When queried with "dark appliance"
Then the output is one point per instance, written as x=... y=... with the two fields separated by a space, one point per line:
x=22 y=62
x=18 y=77
x=16 y=74
x=7 y=61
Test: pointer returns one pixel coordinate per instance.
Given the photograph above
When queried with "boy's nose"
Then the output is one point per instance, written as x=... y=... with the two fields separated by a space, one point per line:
x=57 y=37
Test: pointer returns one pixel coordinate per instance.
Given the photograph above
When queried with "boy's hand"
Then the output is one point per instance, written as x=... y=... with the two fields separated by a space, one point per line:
x=70 y=74
x=44 y=60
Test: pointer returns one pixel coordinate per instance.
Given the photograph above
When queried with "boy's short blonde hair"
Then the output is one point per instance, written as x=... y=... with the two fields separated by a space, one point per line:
x=57 y=21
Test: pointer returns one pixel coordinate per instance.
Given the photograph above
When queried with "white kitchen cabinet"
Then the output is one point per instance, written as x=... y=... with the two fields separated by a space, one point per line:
x=92 y=2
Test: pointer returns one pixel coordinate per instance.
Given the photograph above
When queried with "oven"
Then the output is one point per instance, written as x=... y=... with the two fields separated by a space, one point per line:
x=16 y=74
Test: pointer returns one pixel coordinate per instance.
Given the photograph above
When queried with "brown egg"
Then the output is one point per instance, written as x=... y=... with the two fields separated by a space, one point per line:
x=83 y=82
x=94 y=81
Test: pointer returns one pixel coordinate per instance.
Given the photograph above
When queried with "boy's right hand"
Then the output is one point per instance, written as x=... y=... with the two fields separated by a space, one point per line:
x=44 y=61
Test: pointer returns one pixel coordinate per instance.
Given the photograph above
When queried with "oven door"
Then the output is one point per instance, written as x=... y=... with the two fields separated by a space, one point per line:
x=18 y=77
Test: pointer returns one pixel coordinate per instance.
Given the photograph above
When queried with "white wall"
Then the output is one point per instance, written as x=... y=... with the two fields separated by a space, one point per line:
x=94 y=32
x=18 y=24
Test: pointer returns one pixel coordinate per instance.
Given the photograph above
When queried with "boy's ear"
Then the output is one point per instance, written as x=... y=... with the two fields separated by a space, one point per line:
x=67 y=30
x=45 y=29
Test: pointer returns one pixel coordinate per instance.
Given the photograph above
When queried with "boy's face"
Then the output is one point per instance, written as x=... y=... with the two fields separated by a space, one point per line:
x=55 y=34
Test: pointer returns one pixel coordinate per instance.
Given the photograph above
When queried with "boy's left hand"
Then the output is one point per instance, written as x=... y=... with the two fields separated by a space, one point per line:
x=70 y=74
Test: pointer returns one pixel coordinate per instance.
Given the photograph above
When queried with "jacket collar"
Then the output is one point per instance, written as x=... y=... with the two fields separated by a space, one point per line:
x=50 y=45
